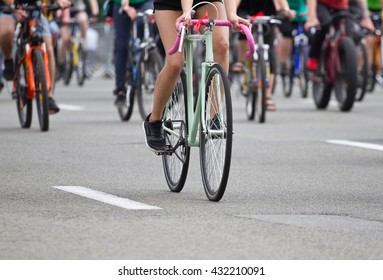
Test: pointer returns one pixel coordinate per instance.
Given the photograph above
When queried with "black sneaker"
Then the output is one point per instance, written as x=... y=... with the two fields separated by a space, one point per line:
x=8 y=72
x=154 y=135
x=1 y=85
x=120 y=98
x=52 y=106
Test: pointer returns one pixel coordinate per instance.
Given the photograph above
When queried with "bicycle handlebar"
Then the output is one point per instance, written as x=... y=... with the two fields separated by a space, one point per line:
x=243 y=27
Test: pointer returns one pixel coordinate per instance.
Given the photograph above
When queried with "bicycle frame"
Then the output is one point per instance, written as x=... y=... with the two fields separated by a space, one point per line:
x=29 y=43
x=300 y=40
x=195 y=116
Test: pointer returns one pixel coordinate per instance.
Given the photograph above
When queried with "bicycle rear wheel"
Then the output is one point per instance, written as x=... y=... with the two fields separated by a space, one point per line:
x=149 y=66
x=41 y=89
x=303 y=75
x=68 y=70
x=362 y=66
x=249 y=90
x=288 y=78
x=217 y=137
x=346 y=81
x=81 y=65
x=176 y=163
x=261 y=89
x=24 y=105
x=125 y=110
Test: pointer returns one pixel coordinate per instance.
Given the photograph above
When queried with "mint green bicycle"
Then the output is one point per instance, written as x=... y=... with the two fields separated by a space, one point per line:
x=205 y=122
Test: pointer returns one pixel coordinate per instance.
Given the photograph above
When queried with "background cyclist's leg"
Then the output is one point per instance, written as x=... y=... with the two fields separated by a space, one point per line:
x=65 y=35
x=317 y=39
x=46 y=33
x=269 y=40
x=286 y=45
x=83 y=24
x=7 y=30
x=122 y=28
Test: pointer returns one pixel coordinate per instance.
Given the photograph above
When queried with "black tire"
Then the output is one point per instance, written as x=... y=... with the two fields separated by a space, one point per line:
x=41 y=89
x=217 y=138
x=249 y=90
x=125 y=111
x=81 y=65
x=68 y=70
x=176 y=164
x=303 y=75
x=261 y=89
x=24 y=105
x=346 y=82
x=149 y=66
x=288 y=80
x=373 y=71
x=362 y=73
x=321 y=88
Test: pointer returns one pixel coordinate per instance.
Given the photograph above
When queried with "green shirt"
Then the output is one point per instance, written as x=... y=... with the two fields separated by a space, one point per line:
x=300 y=8
x=131 y=2
x=374 y=4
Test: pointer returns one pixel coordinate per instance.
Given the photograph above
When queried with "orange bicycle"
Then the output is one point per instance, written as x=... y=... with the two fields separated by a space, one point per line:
x=32 y=79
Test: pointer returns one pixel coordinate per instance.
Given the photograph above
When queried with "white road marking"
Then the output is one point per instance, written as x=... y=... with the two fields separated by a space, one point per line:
x=357 y=144
x=70 y=107
x=106 y=198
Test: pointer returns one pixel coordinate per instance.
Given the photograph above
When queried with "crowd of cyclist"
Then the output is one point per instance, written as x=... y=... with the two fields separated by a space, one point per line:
x=314 y=14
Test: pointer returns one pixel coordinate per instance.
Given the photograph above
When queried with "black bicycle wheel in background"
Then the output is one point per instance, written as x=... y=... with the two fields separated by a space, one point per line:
x=303 y=76
x=125 y=110
x=249 y=89
x=321 y=88
x=217 y=138
x=176 y=164
x=362 y=65
x=149 y=66
x=288 y=77
x=24 y=105
x=346 y=82
x=41 y=89
x=262 y=86
x=68 y=69
x=81 y=65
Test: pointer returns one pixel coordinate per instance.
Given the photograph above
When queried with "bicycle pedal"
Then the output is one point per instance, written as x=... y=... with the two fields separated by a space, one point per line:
x=168 y=151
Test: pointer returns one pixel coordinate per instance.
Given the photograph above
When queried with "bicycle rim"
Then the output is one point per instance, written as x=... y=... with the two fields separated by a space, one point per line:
x=149 y=67
x=303 y=74
x=24 y=105
x=362 y=71
x=216 y=139
x=176 y=164
x=68 y=66
x=41 y=90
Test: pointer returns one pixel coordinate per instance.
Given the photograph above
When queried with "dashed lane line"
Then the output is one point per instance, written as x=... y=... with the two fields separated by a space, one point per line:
x=357 y=144
x=107 y=198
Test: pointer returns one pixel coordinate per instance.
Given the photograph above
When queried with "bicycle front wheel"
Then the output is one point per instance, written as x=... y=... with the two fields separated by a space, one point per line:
x=346 y=81
x=149 y=67
x=24 y=105
x=216 y=133
x=262 y=86
x=362 y=61
x=176 y=163
x=125 y=110
x=68 y=70
x=41 y=89
x=81 y=65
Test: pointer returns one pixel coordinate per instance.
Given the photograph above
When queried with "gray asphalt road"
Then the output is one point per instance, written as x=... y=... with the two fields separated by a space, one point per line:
x=291 y=193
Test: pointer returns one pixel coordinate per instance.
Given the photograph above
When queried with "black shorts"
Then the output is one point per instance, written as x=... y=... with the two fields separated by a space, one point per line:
x=175 y=5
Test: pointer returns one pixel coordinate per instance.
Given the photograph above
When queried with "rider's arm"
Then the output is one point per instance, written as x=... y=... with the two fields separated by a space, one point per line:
x=312 y=20
x=8 y=2
x=94 y=7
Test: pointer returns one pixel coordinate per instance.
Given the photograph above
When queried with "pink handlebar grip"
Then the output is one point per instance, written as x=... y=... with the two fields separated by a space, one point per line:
x=243 y=27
